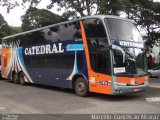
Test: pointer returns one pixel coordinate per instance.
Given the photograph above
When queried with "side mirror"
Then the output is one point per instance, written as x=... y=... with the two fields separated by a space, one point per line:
x=115 y=47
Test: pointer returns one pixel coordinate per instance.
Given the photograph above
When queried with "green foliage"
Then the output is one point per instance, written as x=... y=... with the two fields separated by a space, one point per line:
x=146 y=14
x=10 y=4
x=15 y=30
x=110 y=7
x=79 y=7
x=6 y=30
x=35 y=18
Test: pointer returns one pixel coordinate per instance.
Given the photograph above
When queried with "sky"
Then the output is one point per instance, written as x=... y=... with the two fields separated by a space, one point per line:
x=14 y=17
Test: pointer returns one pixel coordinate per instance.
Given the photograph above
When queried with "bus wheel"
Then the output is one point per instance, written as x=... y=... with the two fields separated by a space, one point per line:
x=14 y=78
x=149 y=75
x=21 y=78
x=81 y=87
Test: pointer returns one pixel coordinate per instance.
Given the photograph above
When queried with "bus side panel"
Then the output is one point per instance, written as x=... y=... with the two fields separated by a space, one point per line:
x=12 y=60
x=45 y=68
x=51 y=77
x=57 y=69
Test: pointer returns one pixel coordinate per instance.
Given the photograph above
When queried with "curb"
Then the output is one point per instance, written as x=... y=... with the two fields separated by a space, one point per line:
x=154 y=86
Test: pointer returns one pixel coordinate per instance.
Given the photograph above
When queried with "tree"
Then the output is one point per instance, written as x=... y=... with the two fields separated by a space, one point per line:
x=7 y=30
x=4 y=30
x=35 y=18
x=146 y=14
x=10 y=4
x=110 y=7
x=15 y=30
x=78 y=7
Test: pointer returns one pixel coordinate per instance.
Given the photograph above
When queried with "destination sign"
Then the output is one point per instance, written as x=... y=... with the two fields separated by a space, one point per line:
x=128 y=44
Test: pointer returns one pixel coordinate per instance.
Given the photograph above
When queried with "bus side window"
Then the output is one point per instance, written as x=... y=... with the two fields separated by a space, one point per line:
x=100 y=62
x=64 y=32
x=72 y=31
x=97 y=45
x=54 y=34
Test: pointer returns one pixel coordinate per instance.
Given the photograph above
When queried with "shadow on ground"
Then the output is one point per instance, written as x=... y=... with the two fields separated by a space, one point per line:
x=96 y=96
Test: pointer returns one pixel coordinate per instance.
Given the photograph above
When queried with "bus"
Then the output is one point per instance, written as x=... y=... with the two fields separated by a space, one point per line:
x=100 y=53
x=0 y=59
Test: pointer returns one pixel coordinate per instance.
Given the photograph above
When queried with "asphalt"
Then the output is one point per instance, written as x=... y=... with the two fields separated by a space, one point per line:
x=39 y=99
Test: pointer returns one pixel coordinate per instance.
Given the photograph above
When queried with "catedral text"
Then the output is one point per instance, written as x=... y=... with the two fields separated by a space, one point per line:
x=44 y=49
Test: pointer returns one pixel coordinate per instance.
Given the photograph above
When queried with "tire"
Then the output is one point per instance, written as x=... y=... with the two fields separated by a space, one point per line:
x=15 y=78
x=21 y=78
x=81 y=88
x=149 y=75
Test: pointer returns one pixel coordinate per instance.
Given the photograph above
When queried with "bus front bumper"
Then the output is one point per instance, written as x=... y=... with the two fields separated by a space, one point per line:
x=118 y=90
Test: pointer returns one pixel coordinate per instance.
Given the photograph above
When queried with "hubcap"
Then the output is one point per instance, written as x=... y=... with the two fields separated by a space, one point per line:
x=81 y=87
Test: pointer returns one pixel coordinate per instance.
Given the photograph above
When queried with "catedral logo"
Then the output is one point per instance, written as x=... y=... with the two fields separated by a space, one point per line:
x=44 y=49
x=131 y=44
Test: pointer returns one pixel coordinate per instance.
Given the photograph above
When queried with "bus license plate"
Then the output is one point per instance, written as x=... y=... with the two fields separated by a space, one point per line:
x=136 y=90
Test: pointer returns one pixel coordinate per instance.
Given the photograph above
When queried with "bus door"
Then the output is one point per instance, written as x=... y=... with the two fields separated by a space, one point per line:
x=98 y=56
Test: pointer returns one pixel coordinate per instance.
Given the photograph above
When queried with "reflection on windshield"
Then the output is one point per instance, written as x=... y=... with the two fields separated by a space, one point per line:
x=122 y=30
x=135 y=60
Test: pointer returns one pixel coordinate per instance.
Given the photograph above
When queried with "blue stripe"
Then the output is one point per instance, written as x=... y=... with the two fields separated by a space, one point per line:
x=21 y=56
x=75 y=47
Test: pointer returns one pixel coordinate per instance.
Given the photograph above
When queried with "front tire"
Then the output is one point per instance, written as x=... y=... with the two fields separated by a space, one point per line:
x=149 y=75
x=81 y=88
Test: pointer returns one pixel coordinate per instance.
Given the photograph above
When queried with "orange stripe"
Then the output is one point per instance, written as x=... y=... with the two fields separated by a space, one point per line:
x=94 y=87
x=85 y=45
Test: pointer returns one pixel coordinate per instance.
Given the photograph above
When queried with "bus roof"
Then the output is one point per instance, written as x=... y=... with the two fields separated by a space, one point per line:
x=61 y=23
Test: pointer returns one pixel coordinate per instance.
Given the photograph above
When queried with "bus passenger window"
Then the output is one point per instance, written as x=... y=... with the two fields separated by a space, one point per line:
x=100 y=62
x=98 y=46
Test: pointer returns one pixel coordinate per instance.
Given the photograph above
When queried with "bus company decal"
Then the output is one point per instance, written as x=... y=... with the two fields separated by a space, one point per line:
x=128 y=44
x=104 y=83
x=44 y=49
x=12 y=60
x=16 y=61
x=22 y=65
x=75 y=48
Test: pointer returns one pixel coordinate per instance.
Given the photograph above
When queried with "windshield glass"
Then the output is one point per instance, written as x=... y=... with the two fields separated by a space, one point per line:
x=123 y=30
x=129 y=56
x=129 y=61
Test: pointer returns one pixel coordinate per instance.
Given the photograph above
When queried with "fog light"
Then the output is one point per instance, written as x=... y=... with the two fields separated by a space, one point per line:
x=118 y=91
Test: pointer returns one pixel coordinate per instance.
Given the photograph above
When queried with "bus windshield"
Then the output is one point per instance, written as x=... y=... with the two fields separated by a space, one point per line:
x=123 y=30
x=129 y=56
x=132 y=62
